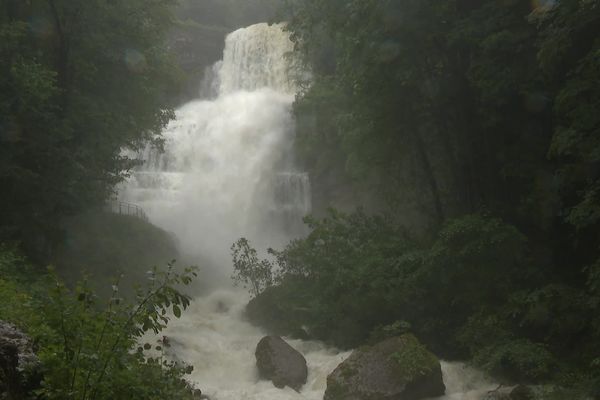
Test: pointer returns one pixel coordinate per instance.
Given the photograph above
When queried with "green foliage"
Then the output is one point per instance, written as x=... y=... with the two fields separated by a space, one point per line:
x=475 y=260
x=346 y=263
x=484 y=329
x=336 y=280
x=19 y=282
x=476 y=122
x=570 y=53
x=555 y=314
x=80 y=82
x=86 y=349
x=517 y=361
x=466 y=293
x=383 y=332
x=409 y=98
x=248 y=269
x=368 y=278
x=495 y=347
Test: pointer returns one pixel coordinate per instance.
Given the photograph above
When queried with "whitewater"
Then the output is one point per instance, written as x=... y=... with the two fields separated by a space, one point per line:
x=228 y=171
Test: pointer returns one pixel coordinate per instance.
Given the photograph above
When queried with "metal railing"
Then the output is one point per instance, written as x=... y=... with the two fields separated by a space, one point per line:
x=124 y=208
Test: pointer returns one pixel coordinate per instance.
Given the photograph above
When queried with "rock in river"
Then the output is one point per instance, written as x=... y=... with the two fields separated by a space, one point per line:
x=399 y=368
x=281 y=363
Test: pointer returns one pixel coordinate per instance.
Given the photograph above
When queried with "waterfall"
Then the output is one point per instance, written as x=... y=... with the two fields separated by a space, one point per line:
x=227 y=171
x=256 y=57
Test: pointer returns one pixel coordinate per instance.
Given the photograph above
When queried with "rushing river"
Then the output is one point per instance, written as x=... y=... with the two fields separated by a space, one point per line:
x=227 y=172
x=213 y=337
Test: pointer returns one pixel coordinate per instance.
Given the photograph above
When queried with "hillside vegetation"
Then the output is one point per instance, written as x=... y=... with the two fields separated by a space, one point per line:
x=470 y=128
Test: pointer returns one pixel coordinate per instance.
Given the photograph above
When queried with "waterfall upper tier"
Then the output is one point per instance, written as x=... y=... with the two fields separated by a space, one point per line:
x=258 y=56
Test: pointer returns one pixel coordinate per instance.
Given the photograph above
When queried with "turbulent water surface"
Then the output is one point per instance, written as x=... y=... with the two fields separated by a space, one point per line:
x=213 y=337
x=228 y=171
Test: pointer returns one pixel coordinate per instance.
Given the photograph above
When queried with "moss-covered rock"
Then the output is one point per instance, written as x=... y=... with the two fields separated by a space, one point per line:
x=398 y=368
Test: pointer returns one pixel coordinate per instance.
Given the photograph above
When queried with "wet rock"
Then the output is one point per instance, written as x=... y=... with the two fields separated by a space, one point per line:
x=280 y=363
x=398 y=368
x=197 y=395
x=19 y=366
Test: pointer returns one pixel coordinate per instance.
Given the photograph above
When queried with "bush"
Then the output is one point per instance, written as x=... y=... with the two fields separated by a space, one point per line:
x=248 y=270
x=555 y=314
x=359 y=272
x=517 y=360
x=482 y=330
x=466 y=294
x=475 y=260
x=335 y=281
x=89 y=351
x=383 y=332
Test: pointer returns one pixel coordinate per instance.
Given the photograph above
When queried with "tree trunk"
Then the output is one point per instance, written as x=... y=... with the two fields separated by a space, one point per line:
x=62 y=56
x=429 y=178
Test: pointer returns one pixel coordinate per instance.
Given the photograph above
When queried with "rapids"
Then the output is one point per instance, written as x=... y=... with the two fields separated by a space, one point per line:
x=228 y=171
x=213 y=337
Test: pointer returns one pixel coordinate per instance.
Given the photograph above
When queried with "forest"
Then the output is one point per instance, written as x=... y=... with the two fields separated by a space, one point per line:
x=471 y=126
x=453 y=150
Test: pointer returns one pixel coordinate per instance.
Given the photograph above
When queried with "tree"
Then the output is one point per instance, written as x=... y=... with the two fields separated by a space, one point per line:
x=248 y=269
x=81 y=81
x=475 y=121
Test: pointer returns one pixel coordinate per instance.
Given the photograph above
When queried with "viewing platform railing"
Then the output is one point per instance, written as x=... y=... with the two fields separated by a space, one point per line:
x=124 y=208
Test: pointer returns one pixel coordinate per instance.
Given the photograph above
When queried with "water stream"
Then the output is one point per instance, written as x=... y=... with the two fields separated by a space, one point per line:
x=213 y=337
x=228 y=171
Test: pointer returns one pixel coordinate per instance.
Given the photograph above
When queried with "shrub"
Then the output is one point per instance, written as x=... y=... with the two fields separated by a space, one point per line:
x=89 y=351
x=517 y=360
x=250 y=271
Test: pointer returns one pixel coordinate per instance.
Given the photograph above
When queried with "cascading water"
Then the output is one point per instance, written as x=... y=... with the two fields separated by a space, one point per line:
x=227 y=172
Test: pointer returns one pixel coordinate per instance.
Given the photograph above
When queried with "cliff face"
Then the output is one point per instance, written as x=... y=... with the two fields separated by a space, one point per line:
x=199 y=37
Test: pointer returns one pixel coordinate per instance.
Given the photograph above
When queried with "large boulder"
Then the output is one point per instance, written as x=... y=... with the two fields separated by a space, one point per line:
x=19 y=366
x=280 y=363
x=399 y=368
